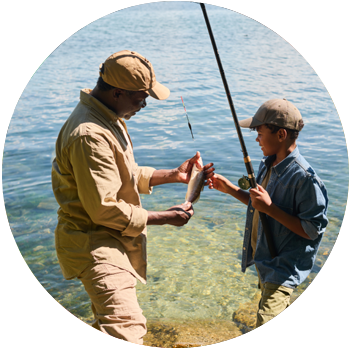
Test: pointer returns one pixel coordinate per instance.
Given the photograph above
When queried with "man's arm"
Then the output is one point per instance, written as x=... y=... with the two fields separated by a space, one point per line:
x=176 y=215
x=98 y=182
x=181 y=174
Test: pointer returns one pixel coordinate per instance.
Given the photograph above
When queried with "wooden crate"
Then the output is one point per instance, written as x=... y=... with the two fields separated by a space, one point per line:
x=43 y=328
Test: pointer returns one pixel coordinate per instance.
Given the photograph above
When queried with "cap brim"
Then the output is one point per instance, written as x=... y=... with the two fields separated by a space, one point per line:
x=250 y=122
x=159 y=91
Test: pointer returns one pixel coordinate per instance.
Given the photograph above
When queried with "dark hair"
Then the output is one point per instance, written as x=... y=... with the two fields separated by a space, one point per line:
x=293 y=134
x=276 y=13
x=103 y=86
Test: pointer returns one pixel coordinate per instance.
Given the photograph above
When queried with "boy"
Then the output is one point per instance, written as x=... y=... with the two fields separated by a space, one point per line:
x=294 y=200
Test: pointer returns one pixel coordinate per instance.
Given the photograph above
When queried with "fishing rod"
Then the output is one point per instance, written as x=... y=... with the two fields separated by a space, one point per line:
x=243 y=182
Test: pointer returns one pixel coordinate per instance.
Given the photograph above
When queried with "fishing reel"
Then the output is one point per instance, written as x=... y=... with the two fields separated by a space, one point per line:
x=244 y=183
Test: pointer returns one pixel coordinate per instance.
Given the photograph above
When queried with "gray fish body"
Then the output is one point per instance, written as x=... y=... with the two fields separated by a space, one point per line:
x=196 y=183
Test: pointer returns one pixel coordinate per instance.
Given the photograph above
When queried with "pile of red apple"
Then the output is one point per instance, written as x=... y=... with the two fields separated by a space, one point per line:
x=83 y=336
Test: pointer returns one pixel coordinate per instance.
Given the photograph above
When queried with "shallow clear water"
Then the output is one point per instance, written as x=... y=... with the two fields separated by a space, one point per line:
x=194 y=271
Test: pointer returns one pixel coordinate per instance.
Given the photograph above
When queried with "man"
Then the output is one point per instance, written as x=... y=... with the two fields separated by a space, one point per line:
x=286 y=17
x=101 y=230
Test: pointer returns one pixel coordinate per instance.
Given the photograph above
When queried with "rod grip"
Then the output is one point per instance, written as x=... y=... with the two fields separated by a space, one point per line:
x=250 y=171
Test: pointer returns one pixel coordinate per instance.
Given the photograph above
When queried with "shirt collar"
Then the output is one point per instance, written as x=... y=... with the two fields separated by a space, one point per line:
x=99 y=107
x=285 y=163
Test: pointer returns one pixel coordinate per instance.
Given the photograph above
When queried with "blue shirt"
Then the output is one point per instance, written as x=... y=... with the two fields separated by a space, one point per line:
x=296 y=189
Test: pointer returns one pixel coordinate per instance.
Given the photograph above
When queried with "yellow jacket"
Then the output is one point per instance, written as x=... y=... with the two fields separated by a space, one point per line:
x=97 y=184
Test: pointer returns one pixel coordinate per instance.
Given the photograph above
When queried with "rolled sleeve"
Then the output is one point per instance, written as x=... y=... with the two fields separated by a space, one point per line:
x=98 y=182
x=144 y=175
x=138 y=222
x=312 y=208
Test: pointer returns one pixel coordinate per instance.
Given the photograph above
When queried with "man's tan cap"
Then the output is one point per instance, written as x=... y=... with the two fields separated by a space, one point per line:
x=130 y=71
x=279 y=112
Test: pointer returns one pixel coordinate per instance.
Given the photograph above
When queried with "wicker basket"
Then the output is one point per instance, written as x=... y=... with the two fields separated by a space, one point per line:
x=14 y=309
x=16 y=342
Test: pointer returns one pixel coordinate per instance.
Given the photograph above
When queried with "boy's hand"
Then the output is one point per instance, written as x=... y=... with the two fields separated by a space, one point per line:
x=261 y=200
x=219 y=182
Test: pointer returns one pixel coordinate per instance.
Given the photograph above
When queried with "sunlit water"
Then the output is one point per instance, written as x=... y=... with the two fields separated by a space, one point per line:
x=193 y=271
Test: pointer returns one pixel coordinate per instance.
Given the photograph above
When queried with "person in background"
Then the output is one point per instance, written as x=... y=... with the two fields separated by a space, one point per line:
x=287 y=19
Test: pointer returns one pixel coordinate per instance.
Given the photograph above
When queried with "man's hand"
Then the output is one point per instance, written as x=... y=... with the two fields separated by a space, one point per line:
x=178 y=215
x=261 y=200
x=183 y=172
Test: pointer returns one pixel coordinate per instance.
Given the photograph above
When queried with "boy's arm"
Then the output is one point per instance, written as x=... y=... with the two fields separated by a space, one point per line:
x=261 y=201
x=222 y=184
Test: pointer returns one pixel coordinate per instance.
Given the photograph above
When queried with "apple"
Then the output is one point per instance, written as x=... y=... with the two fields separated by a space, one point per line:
x=67 y=334
x=63 y=344
x=8 y=242
x=99 y=340
x=27 y=282
x=11 y=256
x=69 y=317
x=127 y=345
x=9 y=284
x=88 y=331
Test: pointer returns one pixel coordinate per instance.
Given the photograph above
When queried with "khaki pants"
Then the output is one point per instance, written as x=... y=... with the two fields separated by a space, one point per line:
x=274 y=299
x=114 y=302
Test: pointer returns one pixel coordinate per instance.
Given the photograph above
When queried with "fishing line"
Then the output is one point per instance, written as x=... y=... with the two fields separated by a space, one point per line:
x=188 y=120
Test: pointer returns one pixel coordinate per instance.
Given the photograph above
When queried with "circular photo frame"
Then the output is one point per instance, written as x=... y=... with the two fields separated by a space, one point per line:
x=196 y=292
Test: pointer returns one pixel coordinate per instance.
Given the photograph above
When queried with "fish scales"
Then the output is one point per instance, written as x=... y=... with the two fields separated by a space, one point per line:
x=196 y=183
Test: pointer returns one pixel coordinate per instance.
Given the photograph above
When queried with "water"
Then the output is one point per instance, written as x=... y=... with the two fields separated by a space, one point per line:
x=194 y=271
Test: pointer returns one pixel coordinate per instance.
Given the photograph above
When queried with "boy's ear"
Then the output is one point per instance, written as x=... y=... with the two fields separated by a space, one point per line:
x=282 y=134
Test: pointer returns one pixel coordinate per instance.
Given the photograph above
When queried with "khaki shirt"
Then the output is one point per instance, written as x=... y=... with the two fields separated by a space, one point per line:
x=97 y=185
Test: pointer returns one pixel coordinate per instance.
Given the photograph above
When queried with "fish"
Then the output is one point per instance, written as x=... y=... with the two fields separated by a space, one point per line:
x=196 y=183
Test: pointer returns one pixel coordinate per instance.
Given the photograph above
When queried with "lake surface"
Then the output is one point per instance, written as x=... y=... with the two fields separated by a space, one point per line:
x=193 y=271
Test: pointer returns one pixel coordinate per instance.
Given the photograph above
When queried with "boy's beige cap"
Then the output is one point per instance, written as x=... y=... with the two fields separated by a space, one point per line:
x=279 y=112
x=130 y=71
